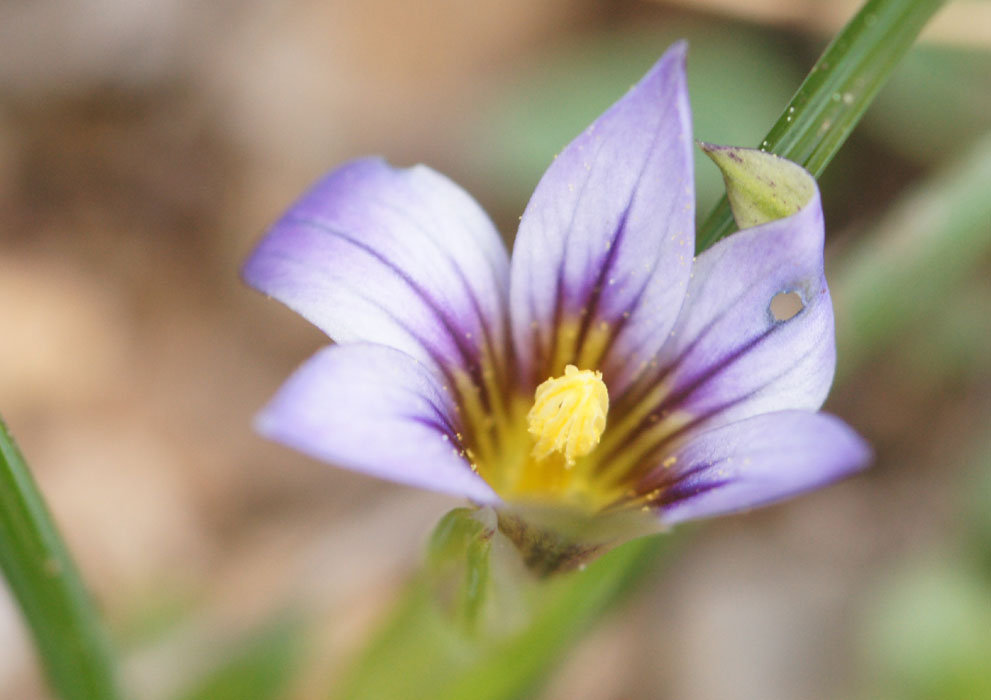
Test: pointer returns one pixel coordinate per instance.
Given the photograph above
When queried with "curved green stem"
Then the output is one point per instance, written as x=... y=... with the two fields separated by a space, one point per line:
x=70 y=640
x=837 y=91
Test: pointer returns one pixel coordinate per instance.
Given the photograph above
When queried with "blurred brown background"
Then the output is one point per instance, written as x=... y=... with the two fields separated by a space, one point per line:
x=144 y=147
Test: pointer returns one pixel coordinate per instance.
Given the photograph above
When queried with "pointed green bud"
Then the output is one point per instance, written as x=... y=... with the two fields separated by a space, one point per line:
x=761 y=187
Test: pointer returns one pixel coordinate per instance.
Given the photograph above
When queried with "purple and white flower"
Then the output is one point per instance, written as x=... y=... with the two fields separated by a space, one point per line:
x=602 y=369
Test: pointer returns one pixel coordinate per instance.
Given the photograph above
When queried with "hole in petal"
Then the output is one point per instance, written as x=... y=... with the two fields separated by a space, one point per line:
x=786 y=305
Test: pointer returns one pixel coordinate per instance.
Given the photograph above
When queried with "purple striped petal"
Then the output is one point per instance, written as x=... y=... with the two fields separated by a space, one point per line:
x=404 y=258
x=755 y=462
x=605 y=245
x=728 y=357
x=376 y=410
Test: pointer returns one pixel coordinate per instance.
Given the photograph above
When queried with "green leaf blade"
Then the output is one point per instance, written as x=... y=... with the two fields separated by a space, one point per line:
x=72 y=645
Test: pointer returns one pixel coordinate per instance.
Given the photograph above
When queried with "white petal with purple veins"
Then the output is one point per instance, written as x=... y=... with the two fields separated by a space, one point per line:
x=755 y=462
x=605 y=244
x=729 y=357
x=404 y=258
x=375 y=410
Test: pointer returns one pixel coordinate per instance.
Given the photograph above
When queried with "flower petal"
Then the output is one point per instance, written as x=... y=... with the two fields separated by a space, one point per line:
x=729 y=357
x=376 y=410
x=404 y=258
x=604 y=249
x=755 y=462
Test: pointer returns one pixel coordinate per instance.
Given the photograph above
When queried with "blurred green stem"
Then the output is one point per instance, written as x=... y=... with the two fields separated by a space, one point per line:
x=837 y=91
x=71 y=642
x=425 y=650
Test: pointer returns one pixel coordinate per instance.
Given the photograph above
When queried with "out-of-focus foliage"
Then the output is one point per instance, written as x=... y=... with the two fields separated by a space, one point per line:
x=907 y=268
x=260 y=667
x=928 y=628
x=978 y=502
x=930 y=634
x=936 y=100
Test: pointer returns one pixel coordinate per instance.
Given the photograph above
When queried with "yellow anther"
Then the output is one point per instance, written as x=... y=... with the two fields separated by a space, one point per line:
x=569 y=414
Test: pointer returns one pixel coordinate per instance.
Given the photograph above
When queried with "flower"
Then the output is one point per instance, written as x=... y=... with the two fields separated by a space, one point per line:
x=602 y=370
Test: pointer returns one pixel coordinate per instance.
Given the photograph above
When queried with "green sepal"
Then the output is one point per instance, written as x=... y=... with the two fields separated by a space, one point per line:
x=458 y=563
x=553 y=540
x=761 y=187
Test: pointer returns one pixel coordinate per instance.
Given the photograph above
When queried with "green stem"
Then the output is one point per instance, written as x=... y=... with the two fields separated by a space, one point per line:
x=837 y=91
x=71 y=642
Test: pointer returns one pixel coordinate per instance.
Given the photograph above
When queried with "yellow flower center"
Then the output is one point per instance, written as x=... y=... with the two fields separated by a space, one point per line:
x=568 y=414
